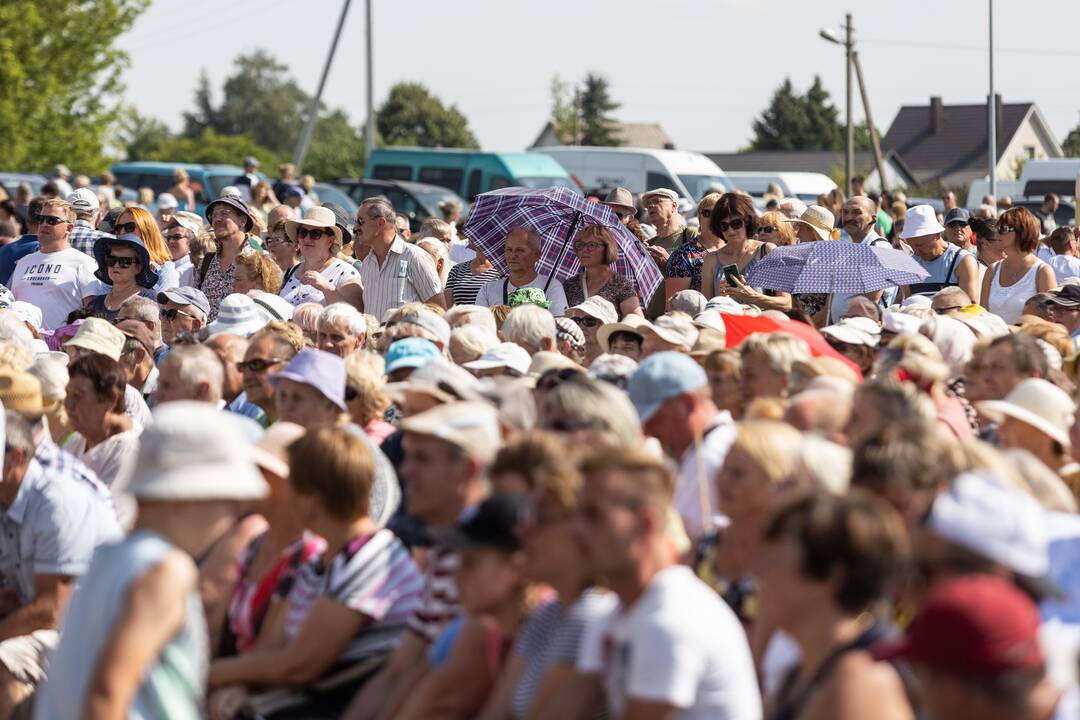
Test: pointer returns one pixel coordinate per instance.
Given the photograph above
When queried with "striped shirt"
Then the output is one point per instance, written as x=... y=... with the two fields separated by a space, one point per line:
x=464 y=285
x=373 y=575
x=407 y=275
x=439 y=602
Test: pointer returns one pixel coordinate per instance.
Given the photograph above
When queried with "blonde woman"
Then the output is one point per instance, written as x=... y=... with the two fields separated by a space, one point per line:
x=914 y=359
x=256 y=271
x=774 y=228
x=365 y=396
x=182 y=191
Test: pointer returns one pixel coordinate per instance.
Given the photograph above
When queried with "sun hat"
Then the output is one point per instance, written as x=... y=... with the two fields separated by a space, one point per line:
x=851 y=334
x=660 y=377
x=1008 y=526
x=316 y=217
x=957 y=215
x=187 y=220
x=410 y=352
x=710 y=320
x=820 y=220
x=236 y=203
x=920 y=220
x=664 y=192
x=440 y=379
x=503 y=355
x=100 y=336
x=528 y=296
x=27 y=312
x=596 y=307
x=146 y=278
x=345 y=222
x=186 y=295
x=20 y=392
x=633 y=323
x=621 y=200
x=899 y=323
x=273 y=307
x=430 y=321
x=496 y=523
x=470 y=426
x=84 y=200
x=674 y=330
x=545 y=360
x=166 y=201
x=238 y=315
x=724 y=304
x=270 y=452
x=972 y=626
x=1037 y=402
x=690 y=302
x=193 y=451
x=321 y=370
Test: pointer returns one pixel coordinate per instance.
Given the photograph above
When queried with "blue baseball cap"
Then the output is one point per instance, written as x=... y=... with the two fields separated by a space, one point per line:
x=410 y=352
x=661 y=377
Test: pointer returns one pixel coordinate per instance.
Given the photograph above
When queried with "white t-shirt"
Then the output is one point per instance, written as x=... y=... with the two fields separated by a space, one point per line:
x=710 y=457
x=1065 y=267
x=338 y=272
x=679 y=644
x=491 y=293
x=56 y=282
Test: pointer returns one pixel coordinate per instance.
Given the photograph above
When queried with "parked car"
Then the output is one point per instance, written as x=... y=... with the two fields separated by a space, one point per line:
x=12 y=180
x=418 y=201
x=207 y=181
x=1064 y=215
x=328 y=193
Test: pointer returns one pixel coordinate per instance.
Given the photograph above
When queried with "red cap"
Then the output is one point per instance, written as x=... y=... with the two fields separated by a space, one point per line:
x=974 y=625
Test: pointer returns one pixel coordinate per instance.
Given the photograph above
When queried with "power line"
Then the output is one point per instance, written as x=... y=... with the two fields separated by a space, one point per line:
x=970 y=48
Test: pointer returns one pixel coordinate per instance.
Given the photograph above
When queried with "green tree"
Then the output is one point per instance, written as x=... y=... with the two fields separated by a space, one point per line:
x=140 y=136
x=1071 y=146
x=413 y=116
x=598 y=127
x=563 y=111
x=60 y=80
x=336 y=150
x=211 y=147
x=799 y=122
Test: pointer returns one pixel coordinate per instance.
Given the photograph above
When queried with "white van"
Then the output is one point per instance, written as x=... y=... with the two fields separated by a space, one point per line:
x=804 y=185
x=980 y=188
x=1056 y=175
x=690 y=174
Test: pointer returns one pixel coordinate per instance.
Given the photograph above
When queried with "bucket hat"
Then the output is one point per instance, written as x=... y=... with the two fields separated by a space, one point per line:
x=192 y=451
x=147 y=278
x=100 y=336
x=919 y=221
x=621 y=200
x=1037 y=402
x=631 y=323
x=316 y=217
x=238 y=315
x=820 y=220
x=236 y=204
x=321 y=370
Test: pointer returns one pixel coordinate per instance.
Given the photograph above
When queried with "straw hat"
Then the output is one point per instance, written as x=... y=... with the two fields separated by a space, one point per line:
x=820 y=220
x=1037 y=402
x=621 y=200
x=20 y=392
x=316 y=217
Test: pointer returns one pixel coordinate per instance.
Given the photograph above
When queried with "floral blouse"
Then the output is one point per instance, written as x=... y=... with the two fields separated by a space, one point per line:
x=616 y=290
x=218 y=283
x=686 y=261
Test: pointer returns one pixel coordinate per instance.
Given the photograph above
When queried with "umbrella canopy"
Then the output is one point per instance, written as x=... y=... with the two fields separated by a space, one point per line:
x=556 y=214
x=834 y=266
x=740 y=327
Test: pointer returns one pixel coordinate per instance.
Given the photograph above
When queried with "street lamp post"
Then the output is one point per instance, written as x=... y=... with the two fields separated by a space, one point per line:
x=991 y=112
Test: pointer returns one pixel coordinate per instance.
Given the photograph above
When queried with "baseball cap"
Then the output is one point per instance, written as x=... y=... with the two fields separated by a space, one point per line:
x=495 y=523
x=439 y=378
x=660 y=377
x=957 y=215
x=972 y=625
x=430 y=321
x=508 y=355
x=167 y=201
x=1066 y=296
x=186 y=296
x=851 y=334
x=137 y=330
x=100 y=336
x=84 y=199
x=187 y=220
x=410 y=352
x=690 y=302
x=471 y=426
x=663 y=192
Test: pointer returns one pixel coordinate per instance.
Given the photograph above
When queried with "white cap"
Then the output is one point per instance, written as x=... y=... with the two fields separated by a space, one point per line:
x=508 y=355
x=724 y=304
x=919 y=221
x=711 y=320
x=27 y=312
x=900 y=323
x=167 y=201
x=83 y=200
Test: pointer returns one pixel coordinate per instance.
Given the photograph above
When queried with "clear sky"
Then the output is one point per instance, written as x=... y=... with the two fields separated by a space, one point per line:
x=701 y=68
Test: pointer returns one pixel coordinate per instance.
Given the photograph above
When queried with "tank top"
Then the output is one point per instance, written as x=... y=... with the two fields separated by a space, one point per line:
x=1008 y=302
x=942 y=270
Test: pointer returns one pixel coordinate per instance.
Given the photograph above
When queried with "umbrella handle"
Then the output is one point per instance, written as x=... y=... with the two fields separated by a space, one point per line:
x=562 y=250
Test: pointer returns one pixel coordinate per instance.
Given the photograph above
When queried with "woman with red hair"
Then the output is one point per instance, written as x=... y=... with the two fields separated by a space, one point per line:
x=1009 y=283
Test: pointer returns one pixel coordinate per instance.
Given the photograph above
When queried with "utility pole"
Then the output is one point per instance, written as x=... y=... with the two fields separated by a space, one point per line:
x=874 y=143
x=849 y=157
x=577 y=115
x=313 y=109
x=991 y=112
x=369 y=134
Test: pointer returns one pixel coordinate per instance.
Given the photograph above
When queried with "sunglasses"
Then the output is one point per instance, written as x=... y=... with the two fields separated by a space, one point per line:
x=351 y=393
x=313 y=233
x=552 y=378
x=766 y=229
x=125 y=228
x=1003 y=229
x=258 y=365
x=48 y=219
x=947 y=310
x=172 y=313
x=121 y=262
x=589 y=322
x=176 y=237
x=735 y=224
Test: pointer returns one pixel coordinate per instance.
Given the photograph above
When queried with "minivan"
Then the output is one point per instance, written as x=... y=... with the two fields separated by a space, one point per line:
x=1054 y=175
x=207 y=181
x=690 y=174
x=466 y=172
x=803 y=185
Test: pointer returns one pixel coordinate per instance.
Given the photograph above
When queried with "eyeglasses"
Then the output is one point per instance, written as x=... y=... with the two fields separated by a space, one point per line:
x=587 y=246
x=351 y=393
x=1002 y=229
x=125 y=228
x=172 y=313
x=766 y=229
x=176 y=237
x=552 y=378
x=121 y=262
x=705 y=213
x=589 y=322
x=48 y=219
x=271 y=241
x=735 y=224
x=947 y=310
x=258 y=365
x=313 y=233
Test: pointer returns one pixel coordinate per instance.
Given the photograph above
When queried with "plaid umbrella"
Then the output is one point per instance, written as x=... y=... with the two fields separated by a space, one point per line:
x=556 y=214
x=834 y=266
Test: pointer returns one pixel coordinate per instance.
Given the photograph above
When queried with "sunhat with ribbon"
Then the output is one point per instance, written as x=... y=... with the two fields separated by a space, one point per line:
x=820 y=220
x=316 y=217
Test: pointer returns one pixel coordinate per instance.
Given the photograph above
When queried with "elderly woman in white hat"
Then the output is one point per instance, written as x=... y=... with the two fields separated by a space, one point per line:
x=321 y=276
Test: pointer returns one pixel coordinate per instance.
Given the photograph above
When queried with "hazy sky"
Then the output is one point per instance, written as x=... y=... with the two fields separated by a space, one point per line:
x=702 y=68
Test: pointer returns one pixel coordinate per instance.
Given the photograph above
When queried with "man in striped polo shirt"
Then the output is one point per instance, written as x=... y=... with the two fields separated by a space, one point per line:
x=394 y=272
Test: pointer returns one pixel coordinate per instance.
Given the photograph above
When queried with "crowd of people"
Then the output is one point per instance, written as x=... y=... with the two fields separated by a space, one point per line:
x=313 y=465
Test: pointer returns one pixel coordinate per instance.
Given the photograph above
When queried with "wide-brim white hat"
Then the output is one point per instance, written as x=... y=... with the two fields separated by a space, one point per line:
x=316 y=217
x=1037 y=402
